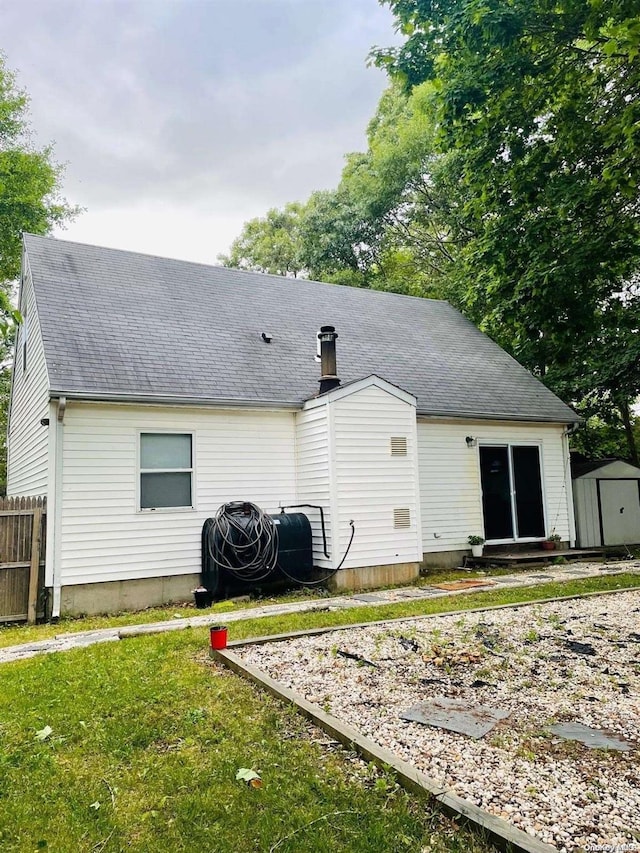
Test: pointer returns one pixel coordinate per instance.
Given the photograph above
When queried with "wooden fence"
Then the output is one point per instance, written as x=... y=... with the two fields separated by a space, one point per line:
x=22 y=551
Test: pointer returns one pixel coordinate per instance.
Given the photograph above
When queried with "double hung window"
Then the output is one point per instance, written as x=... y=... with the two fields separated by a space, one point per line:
x=166 y=470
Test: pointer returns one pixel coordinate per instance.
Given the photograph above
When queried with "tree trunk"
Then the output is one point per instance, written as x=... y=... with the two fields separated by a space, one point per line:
x=628 y=429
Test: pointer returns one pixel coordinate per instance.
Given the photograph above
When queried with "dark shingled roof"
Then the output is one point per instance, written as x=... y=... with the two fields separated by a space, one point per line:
x=124 y=325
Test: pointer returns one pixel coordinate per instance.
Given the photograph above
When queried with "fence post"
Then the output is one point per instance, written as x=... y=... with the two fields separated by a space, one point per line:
x=35 y=566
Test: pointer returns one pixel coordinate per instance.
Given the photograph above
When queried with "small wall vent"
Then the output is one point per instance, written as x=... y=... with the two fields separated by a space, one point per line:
x=402 y=518
x=398 y=445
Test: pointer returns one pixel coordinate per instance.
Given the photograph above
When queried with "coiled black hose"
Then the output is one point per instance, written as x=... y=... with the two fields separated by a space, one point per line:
x=243 y=540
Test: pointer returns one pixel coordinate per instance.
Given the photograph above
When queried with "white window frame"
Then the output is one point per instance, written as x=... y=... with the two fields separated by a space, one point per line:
x=141 y=471
x=512 y=490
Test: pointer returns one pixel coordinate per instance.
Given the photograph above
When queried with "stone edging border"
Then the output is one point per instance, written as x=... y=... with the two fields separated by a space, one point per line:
x=502 y=833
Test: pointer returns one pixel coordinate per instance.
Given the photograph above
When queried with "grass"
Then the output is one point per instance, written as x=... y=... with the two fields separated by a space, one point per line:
x=425 y=607
x=13 y=635
x=147 y=738
x=148 y=735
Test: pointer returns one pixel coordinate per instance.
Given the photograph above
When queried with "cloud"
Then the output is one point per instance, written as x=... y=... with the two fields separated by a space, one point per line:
x=217 y=107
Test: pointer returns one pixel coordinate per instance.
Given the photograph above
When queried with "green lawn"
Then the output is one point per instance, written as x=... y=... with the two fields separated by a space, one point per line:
x=148 y=735
x=424 y=607
x=15 y=634
x=11 y=634
x=147 y=738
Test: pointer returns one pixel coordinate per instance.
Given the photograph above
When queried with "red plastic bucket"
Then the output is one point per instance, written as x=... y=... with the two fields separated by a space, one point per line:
x=218 y=635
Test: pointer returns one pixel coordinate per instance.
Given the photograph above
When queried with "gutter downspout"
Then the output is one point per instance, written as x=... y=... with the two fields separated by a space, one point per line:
x=51 y=498
x=568 y=483
x=56 y=510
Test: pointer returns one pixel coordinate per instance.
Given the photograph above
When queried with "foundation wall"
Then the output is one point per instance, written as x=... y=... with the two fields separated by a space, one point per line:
x=442 y=560
x=116 y=596
x=371 y=577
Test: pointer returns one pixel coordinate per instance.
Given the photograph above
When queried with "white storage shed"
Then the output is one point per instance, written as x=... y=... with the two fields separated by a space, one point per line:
x=607 y=503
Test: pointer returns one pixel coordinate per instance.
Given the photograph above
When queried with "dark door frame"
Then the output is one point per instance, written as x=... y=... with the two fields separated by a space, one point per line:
x=508 y=445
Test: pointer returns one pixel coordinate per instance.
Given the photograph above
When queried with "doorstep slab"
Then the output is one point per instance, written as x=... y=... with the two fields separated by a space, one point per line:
x=370 y=597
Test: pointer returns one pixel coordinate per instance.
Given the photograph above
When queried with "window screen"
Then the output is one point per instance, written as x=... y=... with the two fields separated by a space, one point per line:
x=166 y=469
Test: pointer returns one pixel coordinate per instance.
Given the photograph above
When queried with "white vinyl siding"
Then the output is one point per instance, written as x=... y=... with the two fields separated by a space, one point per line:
x=28 y=439
x=238 y=455
x=370 y=483
x=312 y=476
x=451 y=496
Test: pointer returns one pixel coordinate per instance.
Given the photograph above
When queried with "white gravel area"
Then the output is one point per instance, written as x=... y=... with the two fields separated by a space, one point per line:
x=516 y=659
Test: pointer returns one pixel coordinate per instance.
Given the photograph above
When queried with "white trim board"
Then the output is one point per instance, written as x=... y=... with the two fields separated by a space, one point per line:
x=359 y=385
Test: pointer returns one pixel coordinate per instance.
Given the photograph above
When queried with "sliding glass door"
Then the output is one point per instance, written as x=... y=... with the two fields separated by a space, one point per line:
x=512 y=502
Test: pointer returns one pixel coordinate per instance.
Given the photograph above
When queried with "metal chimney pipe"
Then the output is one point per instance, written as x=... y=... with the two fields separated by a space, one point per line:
x=329 y=378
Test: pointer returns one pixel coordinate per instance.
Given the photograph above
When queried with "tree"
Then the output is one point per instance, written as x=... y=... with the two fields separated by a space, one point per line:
x=29 y=201
x=366 y=232
x=270 y=244
x=29 y=178
x=373 y=229
x=541 y=102
x=611 y=378
x=502 y=172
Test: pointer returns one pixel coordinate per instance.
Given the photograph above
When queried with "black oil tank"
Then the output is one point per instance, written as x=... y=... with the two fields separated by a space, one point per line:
x=295 y=550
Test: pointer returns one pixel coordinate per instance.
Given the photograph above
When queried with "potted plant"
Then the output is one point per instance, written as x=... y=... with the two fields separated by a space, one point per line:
x=551 y=542
x=476 y=543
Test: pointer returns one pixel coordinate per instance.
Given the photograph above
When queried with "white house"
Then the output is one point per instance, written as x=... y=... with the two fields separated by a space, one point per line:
x=147 y=392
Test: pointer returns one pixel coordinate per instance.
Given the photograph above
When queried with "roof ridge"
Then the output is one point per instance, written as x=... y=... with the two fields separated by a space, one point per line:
x=233 y=270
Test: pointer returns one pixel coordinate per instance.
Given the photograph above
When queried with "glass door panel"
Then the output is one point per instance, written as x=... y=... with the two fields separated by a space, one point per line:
x=496 y=492
x=528 y=491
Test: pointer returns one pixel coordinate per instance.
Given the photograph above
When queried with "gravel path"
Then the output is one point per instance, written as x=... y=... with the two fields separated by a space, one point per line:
x=527 y=661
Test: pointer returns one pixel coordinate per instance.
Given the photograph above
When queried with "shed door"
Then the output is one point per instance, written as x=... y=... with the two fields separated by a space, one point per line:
x=620 y=502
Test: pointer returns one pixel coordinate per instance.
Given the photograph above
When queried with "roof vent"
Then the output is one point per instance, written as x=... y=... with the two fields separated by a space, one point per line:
x=398 y=445
x=402 y=518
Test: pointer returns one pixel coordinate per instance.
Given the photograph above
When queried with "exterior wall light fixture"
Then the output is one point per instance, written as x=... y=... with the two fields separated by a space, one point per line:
x=471 y=441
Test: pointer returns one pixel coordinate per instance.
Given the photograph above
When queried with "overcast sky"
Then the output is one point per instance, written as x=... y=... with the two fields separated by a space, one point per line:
x=180 y=119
